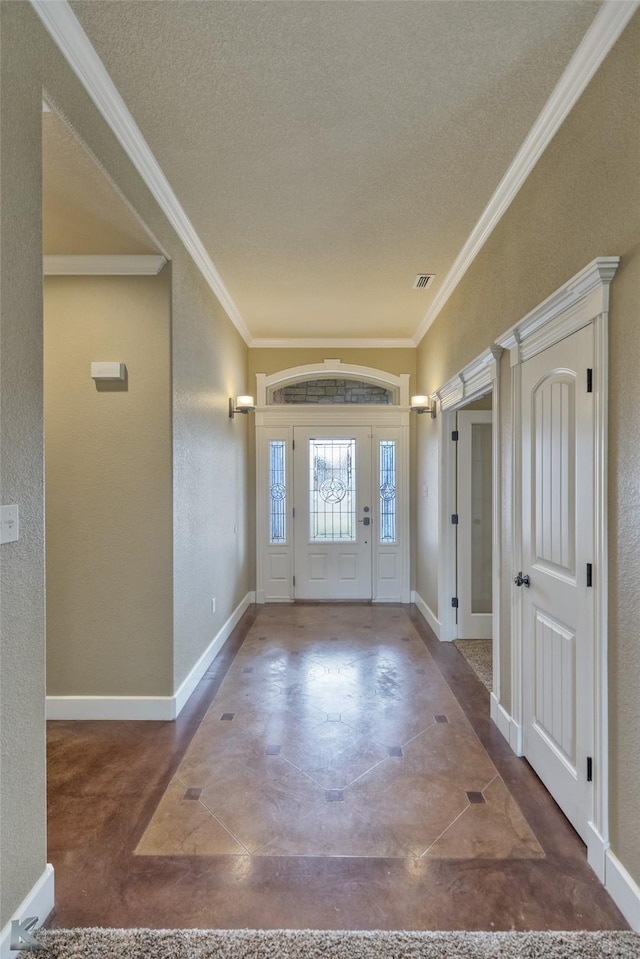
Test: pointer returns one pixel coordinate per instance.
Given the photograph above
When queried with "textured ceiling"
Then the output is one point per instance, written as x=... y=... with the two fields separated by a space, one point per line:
x=328 y=152
x=82 y=211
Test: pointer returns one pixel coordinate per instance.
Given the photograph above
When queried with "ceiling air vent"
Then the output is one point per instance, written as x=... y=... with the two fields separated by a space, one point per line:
x=423 y=280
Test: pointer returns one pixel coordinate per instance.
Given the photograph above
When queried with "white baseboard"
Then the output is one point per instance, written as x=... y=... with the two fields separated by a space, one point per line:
x=516 y=741
x=501 y=717
x=187 y=687
x=507 y=725
x=427 y=613
x=623 y=889
x=38 y=902
x=596 y=851
x=156 y=708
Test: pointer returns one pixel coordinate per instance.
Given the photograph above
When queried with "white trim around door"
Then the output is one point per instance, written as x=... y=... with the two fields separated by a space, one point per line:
x=474 y=499
x=399 y=385
x=275 y=424
x=582 y=301
x=475 y=380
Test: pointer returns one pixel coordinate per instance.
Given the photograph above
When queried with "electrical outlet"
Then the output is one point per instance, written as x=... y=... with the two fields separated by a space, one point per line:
x=213 y=606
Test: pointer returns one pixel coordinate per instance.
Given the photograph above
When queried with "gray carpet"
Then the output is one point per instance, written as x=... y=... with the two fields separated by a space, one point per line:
x=279 y=944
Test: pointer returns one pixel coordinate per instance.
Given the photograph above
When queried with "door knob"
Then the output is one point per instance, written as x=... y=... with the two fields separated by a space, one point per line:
x=521 y=580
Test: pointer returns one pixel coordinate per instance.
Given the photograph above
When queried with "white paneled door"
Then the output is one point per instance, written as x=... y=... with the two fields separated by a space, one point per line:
x=554 y=583
x=474 y=525
x=333 y=513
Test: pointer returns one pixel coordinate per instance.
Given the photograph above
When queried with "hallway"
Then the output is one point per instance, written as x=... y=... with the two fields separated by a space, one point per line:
x=336 y=768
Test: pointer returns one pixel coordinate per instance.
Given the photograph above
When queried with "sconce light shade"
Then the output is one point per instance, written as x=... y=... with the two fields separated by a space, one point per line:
x=423 y=404
x=243 y=404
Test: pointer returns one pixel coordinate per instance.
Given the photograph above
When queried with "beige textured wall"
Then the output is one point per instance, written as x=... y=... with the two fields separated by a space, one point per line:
x=108 y=487
x=484 y=403
x=209 y=362
x=581 y=201
x=210 y=470
x=395 y=361
x=426 y=531
x=22 y=744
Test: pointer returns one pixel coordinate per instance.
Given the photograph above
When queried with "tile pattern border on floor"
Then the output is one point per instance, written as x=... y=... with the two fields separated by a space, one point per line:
x=107 y=778
x=397 y=801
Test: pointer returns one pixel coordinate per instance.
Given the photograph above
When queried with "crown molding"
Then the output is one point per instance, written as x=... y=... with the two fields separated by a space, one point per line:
x=123 y=265
x=355 y=343
x=608 y=24
x=68 y=34
x=74 y=44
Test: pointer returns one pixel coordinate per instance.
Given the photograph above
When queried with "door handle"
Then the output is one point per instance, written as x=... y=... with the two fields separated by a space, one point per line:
x=521 y=580
x=366 y=521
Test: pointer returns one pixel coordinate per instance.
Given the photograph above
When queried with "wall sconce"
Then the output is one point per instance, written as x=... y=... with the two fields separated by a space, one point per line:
x=243 y=404
x=423 y=404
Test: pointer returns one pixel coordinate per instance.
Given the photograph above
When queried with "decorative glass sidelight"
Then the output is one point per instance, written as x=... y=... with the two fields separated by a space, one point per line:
x=277 y=491
x=388 y=482
x=332 y=490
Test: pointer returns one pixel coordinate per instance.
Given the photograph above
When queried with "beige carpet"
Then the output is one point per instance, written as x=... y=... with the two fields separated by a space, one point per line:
x=479 y=654
x=305 y=944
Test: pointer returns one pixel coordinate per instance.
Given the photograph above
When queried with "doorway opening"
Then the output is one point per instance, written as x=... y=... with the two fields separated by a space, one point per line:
x=474 y=536
x=332 y=485
x=469 y=515
x=107 y=415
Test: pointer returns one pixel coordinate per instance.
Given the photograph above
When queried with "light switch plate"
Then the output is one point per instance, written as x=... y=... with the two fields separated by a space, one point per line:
x=9 y=524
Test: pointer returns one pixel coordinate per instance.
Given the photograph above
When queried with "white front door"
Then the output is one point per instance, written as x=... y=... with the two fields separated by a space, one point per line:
x=474 y=525
x=333 y=513
x=557 y=546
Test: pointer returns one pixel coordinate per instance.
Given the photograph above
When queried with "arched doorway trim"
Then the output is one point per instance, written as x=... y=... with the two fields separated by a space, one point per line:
x=295 y=374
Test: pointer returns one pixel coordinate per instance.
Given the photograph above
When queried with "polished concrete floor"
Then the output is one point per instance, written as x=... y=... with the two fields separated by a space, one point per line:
x=336 y=768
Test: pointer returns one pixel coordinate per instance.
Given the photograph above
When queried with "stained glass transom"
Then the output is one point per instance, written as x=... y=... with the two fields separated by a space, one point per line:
x=333 y=391
x=388 y=491
x=332 y=490
x=277 y=492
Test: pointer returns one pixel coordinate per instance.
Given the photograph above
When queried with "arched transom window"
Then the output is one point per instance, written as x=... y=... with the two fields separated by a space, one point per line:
x=330 y=390
x=332 y=383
